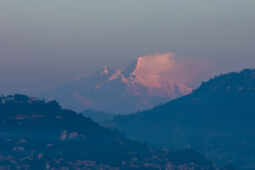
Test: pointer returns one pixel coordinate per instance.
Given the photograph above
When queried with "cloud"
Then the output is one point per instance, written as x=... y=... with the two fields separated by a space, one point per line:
x=165 y=70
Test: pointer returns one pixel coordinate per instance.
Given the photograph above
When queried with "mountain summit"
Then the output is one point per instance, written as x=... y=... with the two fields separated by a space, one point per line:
x=147 y=82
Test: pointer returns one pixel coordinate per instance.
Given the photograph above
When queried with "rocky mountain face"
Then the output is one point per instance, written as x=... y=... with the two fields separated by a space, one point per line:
x=39 y=135
x=216 y=119
x=147 y=82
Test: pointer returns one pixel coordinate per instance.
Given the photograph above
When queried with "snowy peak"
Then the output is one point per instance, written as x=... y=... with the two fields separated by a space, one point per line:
x=148 y=81
x=105 y=71
x=116 y=75
x=157 y=73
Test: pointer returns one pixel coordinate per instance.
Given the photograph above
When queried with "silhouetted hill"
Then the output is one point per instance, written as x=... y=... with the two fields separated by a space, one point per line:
x=216 y=119
x=39 y=135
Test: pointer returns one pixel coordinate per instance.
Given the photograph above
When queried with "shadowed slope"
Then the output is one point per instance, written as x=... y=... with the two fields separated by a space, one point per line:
x=217 y=119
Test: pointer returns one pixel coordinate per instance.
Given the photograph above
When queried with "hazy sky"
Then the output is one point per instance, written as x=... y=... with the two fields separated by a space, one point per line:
x=46 y=42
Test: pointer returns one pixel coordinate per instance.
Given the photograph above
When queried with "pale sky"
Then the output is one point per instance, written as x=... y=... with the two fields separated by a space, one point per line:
x=44 y=43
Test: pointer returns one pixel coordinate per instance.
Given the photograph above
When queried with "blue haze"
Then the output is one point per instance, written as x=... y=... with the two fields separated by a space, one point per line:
x=47 y=42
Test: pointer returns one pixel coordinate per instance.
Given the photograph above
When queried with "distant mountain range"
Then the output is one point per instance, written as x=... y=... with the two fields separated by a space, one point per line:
x=216 y=119
x=143 y=85
x=39 y=135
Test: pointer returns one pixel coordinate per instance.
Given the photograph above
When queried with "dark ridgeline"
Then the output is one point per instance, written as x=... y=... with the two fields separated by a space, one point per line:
x=39 y=135
x=216 y=119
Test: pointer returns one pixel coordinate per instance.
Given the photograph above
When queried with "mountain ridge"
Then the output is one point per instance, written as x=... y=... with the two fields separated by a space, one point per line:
x=142 y=85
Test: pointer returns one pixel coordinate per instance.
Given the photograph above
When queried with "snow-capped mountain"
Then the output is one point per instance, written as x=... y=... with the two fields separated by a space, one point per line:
x=147 y=82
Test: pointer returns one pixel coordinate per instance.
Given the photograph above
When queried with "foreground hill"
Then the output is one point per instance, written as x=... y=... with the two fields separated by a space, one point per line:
x=216 y=119
x=39 y=135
